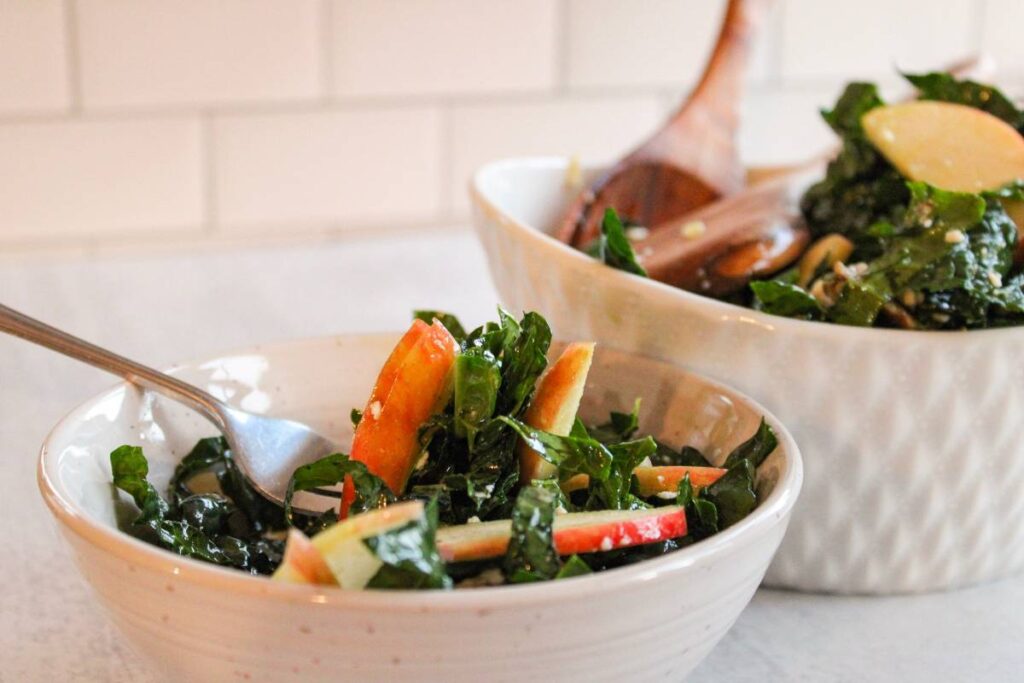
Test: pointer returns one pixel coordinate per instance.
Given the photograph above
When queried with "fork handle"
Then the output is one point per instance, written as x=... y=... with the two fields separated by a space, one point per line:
x=30 y=329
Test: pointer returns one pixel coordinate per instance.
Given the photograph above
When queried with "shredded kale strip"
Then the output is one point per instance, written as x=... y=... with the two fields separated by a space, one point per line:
x=472 y=466
x=531 y=554
x=613 y=247
x=619 y=427
x=608 y=467
x=733 y=496
x=193 y=525
x=409 y=555
x=370 y=490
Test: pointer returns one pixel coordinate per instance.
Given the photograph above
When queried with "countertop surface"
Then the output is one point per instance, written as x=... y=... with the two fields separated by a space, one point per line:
x=161 y=307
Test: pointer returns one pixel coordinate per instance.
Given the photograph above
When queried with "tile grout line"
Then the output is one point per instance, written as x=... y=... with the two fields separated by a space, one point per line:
x=72 y=57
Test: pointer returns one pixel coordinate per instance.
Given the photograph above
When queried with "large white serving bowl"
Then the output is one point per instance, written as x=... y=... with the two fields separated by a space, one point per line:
x=913 y=441
x=655 y=620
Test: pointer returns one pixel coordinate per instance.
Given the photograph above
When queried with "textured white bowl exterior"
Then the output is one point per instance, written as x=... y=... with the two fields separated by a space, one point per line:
x=652 y=621
x=912 y=440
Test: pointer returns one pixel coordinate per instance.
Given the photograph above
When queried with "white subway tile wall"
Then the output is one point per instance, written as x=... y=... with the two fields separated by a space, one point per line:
x=188 y=120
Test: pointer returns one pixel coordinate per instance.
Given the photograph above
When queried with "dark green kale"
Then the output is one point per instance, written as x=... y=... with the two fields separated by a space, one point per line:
x=948 y=258
x=370 y=490
x=860 y=187
x=531 y=554
x=613 y=247
x=193 y=525
x=783 y=298
x=574 y=566
x=472 y=466
x=609 y=468
x=945 y=88
x=410 y=556
x=619 y=427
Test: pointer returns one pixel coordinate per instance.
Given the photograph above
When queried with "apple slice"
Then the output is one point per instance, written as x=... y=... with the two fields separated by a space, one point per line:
x=661 y=479
x=576 y=532
x=413 y=385
x=654 y=480
x=302 y=562
x=951 y=146
x=554 y=405
x=337 y=555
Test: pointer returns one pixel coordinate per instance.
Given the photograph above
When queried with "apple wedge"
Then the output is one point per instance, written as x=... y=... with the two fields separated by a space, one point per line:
x=337 y=555
x=576 y=532
x=951 y=146
x=413 y=385
x=302 y=562
x=654 y=480
x=661 y=479
x=555 y=404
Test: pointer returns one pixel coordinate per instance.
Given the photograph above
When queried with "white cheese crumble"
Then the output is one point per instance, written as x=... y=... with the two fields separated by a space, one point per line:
x=955 y=236
x=995 y=278
x=606 y=543
x=375 y=410
x=666 y=495
x=637 y=233
x=473 y=520
x=691 y=230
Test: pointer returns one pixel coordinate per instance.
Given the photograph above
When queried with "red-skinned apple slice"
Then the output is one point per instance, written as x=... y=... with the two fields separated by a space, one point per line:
x=661 y=479
x=337 y=555
x=302 y=562
x=554 y=405
x=576 y=532
x=413 y=385
x=654 y=480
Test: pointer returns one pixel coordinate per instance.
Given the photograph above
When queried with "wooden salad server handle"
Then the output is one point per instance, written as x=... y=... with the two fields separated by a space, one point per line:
x=717 y=249
x=692 y=159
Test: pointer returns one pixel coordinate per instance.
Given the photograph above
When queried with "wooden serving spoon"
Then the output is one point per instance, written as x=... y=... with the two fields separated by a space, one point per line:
x=719 y=248
x=692 y=160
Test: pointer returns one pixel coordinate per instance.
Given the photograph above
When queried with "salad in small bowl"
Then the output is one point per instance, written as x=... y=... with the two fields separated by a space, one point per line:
x=501 y=494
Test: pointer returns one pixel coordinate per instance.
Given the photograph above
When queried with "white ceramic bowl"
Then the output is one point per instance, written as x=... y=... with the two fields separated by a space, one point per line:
x=653 y=620
x=913 y=446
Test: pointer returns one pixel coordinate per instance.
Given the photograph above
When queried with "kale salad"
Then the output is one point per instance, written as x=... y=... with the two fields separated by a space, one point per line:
x=468 y=467
x=916 y=223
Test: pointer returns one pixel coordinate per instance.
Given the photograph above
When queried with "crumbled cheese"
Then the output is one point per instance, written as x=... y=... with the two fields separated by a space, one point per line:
x=473 y=520
x=691 y=230
x=375 y=410
x=819 y=293
x=995 y=278
x=488 y=577
x=666 y=495
x=955 y=236
x=574 y=173
x=606 y=543
x=637 y=233
x=840 y=269
x=859 y=268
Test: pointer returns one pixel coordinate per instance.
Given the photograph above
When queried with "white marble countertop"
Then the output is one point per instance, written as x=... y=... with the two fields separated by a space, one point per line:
x=163 y=307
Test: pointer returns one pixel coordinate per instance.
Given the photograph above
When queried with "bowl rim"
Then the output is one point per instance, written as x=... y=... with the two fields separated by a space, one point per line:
x=951 y=339
x=116 y=543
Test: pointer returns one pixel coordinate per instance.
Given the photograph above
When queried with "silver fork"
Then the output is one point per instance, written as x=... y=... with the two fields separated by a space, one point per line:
x=267 y=450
